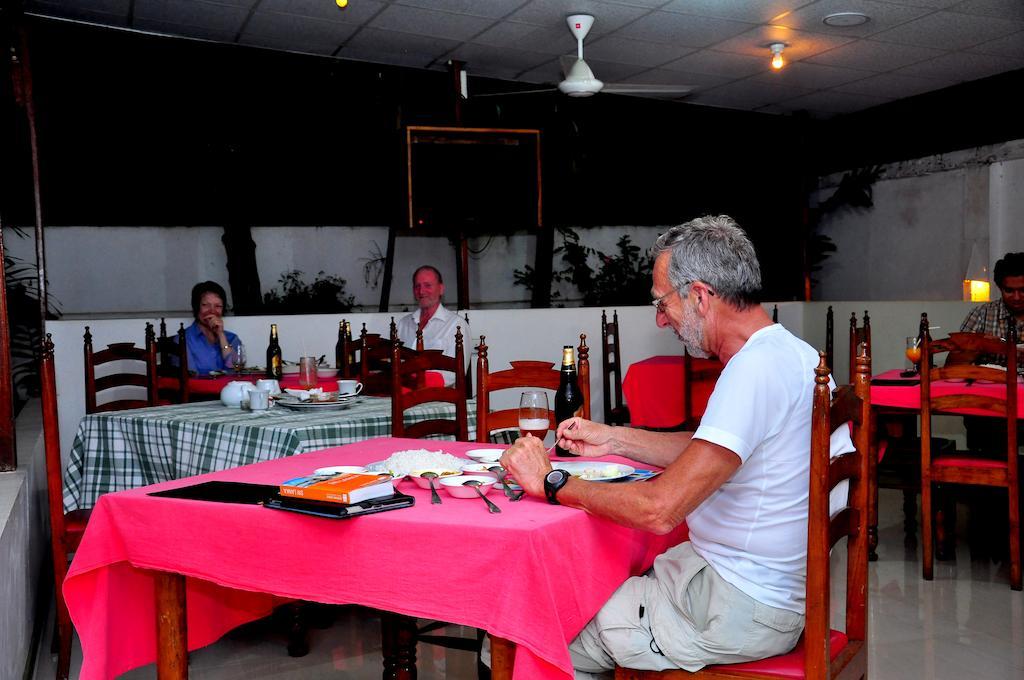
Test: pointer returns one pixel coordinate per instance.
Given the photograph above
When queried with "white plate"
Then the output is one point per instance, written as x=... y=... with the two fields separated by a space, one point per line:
x=340 y=470
x=485 y=455
x=297 y=405
x=594 y=471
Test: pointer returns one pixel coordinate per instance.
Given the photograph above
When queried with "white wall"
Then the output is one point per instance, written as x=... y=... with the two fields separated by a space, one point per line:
x=114 y=271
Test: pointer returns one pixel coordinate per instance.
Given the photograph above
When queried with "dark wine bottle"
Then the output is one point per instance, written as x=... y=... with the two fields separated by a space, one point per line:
x=568 y=398
x=274 y=367
x=339 y=346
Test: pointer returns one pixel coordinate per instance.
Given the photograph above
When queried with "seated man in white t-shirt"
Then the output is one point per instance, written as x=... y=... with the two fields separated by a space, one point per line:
x=735 y=591
x=438 y=324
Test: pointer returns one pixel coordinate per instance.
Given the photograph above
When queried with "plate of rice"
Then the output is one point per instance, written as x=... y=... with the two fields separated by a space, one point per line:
x=402 y=463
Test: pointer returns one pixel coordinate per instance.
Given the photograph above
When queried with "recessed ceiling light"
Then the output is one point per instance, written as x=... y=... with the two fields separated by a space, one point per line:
x=846 y=19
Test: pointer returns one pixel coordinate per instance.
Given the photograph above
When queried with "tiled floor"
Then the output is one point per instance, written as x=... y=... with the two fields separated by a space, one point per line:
x=967 y=623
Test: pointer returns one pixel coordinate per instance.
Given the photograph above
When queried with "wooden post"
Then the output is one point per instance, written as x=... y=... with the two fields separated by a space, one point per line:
x=8 y=448
x=171 y=630
x=503 y=657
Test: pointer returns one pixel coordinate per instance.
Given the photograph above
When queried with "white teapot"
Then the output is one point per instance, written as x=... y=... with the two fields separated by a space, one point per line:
x=235 y=392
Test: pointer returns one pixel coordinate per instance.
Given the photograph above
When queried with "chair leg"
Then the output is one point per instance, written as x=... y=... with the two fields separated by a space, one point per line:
x=926 y=531
x=910 y=518
x=64 y=633
x=1013 y=499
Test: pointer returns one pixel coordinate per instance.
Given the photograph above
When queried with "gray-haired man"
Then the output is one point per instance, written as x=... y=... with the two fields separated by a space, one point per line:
x=735 y=591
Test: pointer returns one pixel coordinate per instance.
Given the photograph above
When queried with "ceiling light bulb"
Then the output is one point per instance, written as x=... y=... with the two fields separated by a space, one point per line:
x=777 y=60
x=342 y=3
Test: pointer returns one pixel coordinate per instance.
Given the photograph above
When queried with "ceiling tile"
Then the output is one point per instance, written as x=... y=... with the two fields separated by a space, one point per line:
x=799 y=44
x=120 y=18
x=725 y=64
x=390 y=47
x=309 y=46
x=424 y=22
x=870 y=55
x=626 y=51
x=965 y=66
x=746 y=94
x=812 y=76
x=682 y=29
x=882 y=16
x=933 y=4
x=893 y=86
x=949 y=31
x=482 y=60
x=658 y=76
x=183 y=30
x=1002 y=9
x=491 y=9
x=63 y=8
x=357 y=13
x=836 y=102
x=530 y=37
x=192 y=13
x=550 y=72
x=1011 y=46
x=607 y=16
x=742 y=10
x=298 y=29
x=611 y=72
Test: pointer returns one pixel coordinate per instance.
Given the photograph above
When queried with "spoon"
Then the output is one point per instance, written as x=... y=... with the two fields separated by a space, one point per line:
x=430 y=477
x=500 y=472
x=475 y=484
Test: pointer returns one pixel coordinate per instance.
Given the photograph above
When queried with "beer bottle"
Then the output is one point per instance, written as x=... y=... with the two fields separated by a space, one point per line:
x=568 y=398
x=339 y=346
x=274 y=367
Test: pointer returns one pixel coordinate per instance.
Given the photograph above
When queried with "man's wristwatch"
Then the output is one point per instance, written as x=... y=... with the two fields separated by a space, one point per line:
x=553 y=481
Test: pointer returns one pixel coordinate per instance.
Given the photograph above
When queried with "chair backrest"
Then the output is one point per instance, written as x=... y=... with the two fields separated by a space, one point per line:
x=171 y=366
x=692 y=375
x=775 y=313
x=528 y=374
x=123 y=380
x=375 y=361
x=410 y=366
x=346 y=352
x=850 y=404
x=830 y=338
x=858 y=335
x=957 y=395
x=611 y=370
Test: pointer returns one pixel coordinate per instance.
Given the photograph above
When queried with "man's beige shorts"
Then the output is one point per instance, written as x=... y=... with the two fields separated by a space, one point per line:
x=681 y=615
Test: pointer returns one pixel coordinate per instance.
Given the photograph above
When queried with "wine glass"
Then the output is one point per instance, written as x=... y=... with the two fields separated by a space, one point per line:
x=238 y=358
x=913 y=354
x=533 y=413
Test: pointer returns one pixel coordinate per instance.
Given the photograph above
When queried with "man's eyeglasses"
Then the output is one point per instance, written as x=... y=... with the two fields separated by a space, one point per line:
x=659 y=303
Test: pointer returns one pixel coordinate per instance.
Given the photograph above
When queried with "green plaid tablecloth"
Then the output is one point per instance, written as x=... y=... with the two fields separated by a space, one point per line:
x=127 y=449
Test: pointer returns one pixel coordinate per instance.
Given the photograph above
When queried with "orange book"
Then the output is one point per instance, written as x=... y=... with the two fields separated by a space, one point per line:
x=345 y=488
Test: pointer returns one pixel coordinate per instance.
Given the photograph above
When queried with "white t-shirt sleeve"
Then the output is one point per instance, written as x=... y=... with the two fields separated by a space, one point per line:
x=746 y=406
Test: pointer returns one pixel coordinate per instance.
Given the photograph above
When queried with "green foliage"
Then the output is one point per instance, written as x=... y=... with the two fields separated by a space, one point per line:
x=325 y=295
x=622 y=278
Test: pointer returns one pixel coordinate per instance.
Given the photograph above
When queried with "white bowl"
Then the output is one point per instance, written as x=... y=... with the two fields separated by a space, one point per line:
x=424 y=483
x=479 y=469
x=290 y=369
x=341 y=470
x=485 y=455
x=326 y=373
x=454 y=485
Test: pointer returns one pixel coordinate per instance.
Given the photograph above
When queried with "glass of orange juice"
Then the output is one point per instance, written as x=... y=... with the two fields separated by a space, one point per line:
x=913 y=353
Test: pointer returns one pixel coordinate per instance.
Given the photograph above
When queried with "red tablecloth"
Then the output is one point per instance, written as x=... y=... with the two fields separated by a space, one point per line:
x=555 y=565
x=653 y=389
x=207 y=386
x=908 y=396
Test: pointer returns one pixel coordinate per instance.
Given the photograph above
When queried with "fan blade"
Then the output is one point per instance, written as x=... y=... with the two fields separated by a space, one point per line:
x=648 y=90
x=513 y=92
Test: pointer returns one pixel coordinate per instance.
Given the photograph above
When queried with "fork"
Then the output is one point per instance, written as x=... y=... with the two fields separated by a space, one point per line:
x=519 y=496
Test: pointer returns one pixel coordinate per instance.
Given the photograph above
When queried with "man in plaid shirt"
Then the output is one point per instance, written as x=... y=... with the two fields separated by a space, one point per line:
x=993 y=318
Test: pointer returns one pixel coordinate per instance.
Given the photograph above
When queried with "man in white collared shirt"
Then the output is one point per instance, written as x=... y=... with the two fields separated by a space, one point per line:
x=438 y=324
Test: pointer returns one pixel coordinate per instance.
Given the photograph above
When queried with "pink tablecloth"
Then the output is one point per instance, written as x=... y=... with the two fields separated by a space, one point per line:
x=207 y=386
x=555 y=565
x=654 y=390
x=908 y=396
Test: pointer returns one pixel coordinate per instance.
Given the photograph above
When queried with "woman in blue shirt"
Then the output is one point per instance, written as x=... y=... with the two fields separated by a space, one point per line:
x=210 y=347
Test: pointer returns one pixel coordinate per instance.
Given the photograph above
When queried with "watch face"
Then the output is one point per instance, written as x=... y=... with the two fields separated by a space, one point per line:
x=555 y=476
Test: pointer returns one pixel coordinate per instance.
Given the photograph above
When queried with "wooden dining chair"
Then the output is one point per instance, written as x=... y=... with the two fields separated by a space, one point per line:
x=133 y=372
x=522 y=374
x=171 y=366
x=858 y=334
x=375 y=361
x=775 y=313
x=996 y=468
x=615 y=411
x=410 y=366
x=830 y=338
x=65 y=529
x=821 y=653
x=692 y=375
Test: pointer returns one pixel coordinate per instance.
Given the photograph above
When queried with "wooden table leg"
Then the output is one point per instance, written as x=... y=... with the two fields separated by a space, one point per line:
x=171 y=631
x=873 y=488
x=398 y=646
x=503 y=658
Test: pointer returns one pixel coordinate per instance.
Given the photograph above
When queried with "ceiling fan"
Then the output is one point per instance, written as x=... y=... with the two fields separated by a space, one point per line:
x=579 y=80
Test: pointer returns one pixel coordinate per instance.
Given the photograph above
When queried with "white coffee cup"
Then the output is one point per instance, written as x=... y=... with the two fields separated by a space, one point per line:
x=349 y=387
x=259 y=400
x=270 y=385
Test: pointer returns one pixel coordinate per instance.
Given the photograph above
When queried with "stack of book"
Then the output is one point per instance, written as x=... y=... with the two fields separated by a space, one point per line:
x=345 y=488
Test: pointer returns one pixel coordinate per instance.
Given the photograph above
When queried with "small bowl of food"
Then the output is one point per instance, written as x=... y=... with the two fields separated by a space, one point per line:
x=326 y=373
x=482 y=469
x=424 y=483
x=457 y=487
x=485 y=455
x=342 y=470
